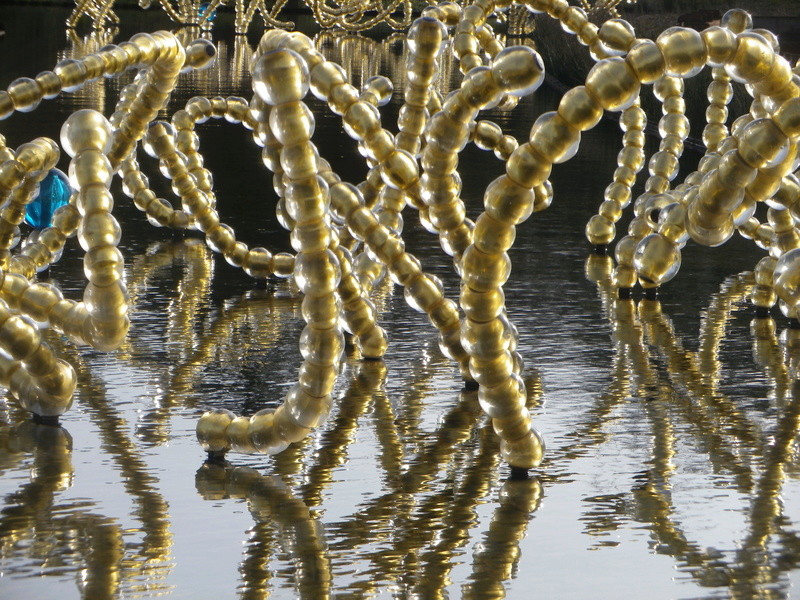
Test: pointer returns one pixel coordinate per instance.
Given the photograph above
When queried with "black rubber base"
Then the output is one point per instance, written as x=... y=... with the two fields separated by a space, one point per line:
x=51 y=421
x=794 y=324
x=762 y=312
x=651 y=293
x=518 y=474
x=600 y=249
x=625 y=293
x=215 y=457
x=471 y=386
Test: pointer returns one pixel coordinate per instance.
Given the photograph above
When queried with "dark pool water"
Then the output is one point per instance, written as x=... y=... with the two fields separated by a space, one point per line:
x=671 y=467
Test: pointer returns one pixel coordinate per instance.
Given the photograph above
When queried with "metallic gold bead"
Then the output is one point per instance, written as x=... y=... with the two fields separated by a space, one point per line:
x=617 y=35
x=737 y=20
x=518 y=70
x=647 y=61
x=614 y=83
x=86 y=130
x=291 y=123
x=280 y=76
x=25 y=94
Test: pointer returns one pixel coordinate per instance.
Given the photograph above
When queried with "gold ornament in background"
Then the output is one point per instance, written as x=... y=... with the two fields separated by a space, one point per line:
x=346 y=236
x=351 y=15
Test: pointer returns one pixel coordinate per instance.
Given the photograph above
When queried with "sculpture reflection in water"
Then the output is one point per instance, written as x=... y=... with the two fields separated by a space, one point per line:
x=72 y=537
x=436 y=512
x=347 y=236
x=432 y=484
x=430 y=523
x=751 y=451
x=354 y=15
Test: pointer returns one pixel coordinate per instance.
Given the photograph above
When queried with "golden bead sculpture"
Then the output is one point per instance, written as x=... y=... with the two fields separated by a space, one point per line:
x=347 y=235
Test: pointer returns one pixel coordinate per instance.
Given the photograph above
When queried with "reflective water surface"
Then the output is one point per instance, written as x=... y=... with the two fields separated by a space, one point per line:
x=671 y=468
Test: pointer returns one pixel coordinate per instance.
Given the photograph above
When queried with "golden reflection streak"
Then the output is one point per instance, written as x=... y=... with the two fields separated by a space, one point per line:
x=455 y=511
x=367 y=380
x=389 y=519
x=32 y=515
x=632 y=372
x=426 y=539
x=703 y=403
x=756 y=566
x=699 y=407
x=768 y=356
x=752 y=572
x=497 y=558
x=152 y=559
x=270 y=501
x=254 y=568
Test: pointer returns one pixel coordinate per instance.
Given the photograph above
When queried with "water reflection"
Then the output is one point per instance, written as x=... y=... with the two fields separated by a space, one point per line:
x=418 y=530
x=59 y=539
x=686 y=386
x=401 y=493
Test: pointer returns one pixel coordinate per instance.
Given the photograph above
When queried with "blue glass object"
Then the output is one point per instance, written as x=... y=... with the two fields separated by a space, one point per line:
x=54 y=192
x=202 y=12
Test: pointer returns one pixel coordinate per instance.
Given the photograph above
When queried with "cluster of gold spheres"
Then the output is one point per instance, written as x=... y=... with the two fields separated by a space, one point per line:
x=346 y=236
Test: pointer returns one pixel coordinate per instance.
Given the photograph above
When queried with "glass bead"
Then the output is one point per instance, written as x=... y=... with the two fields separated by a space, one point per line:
x=600 y=230
x=721 y=44
x=483 y=272
x=399 y=169
x=762 y=144
x=656 y=260
x=617 y=35
x=312 y=237
x=307 y=411
x=280 y=76
x=424 y=292
x=491 y=372
x=647 y=61
x=737 y=20
x=361 y=119
x=211 y=429
x=504 y=400
x=99 y=229
x=518 y=70
x=492 y=236
x=317 y=274
x=73 y=74
x=404 y=268
x=292 y=123
x=26 y=94
x=525 y=452
x=54 y=192
x=765 y=270
x=374 y=344
x=753 y=59
x=710 y=236
x=684 y=51
x=580 y=109
x=526 y=168
x=554 y=138
x=300 y=161
x=104 y=265
x=614 y=83
x=486 y=339
x=786 y=277
x=321 y=346
x=86 y=130
x=307 y=200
